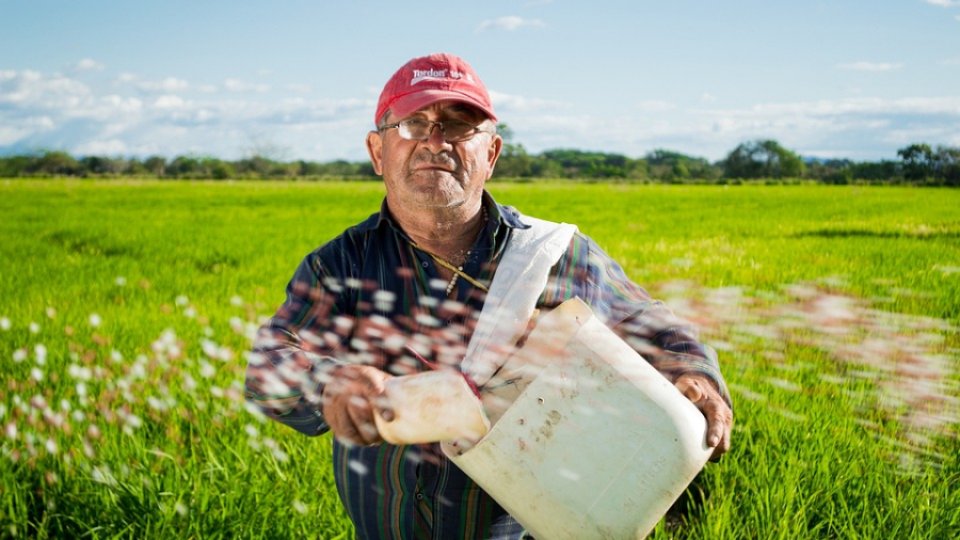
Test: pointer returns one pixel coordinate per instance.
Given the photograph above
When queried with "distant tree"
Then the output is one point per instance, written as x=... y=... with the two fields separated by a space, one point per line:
x=100 y=165
x=514 y=160
x=669 y=165
x=918 y=161
x=948 y=164
x=762 y=159
x=156 y=165
x=56 y=163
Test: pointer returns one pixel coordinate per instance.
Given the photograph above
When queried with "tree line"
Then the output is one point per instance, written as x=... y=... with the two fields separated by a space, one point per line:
x=751 y=161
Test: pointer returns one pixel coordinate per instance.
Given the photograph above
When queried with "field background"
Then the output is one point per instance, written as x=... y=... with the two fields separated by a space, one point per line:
x=126 y=308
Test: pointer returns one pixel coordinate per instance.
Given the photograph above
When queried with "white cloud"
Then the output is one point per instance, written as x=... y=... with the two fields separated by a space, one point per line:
x=944 y=3
x=236 y=85
x=160 y=86
x=509 y=23
x=655 y=105
x=520 y=104
x=112 y=147
x=707 y=97
x=870 y=66
x=169 y=102
x=88 y=64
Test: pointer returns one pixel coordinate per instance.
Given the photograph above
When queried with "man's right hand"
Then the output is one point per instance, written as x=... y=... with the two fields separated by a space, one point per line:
x=349 y=399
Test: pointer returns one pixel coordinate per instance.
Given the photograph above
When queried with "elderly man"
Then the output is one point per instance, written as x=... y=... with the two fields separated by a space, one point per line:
x=403 y=289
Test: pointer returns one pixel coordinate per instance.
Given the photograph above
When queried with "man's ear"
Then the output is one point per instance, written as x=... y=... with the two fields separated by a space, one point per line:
x=493 y=152
x=375 y=150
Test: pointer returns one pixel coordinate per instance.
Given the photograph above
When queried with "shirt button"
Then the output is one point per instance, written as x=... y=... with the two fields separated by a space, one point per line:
x=419 y=496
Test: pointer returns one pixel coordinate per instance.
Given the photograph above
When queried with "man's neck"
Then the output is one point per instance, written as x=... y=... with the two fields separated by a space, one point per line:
x=447 y=232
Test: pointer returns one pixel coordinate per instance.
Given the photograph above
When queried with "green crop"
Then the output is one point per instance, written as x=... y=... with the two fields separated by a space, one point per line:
x=126 y=309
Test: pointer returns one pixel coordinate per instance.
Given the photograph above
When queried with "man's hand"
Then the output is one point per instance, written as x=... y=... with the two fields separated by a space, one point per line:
x=349 y=400
x=704 y=394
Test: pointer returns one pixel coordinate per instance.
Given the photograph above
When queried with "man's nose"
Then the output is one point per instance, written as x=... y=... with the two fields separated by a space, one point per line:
x=435 y=139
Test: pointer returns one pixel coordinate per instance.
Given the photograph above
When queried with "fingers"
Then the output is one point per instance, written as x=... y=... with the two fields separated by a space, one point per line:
x=349 y=400
x=703 y=393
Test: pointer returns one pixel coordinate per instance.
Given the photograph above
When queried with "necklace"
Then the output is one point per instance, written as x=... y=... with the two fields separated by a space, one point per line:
x=457 y=270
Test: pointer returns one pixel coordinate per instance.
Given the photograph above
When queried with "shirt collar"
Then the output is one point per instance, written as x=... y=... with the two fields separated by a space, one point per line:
x=499 y=213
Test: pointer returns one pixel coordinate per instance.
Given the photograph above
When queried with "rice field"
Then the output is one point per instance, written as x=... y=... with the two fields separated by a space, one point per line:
x=127 y=308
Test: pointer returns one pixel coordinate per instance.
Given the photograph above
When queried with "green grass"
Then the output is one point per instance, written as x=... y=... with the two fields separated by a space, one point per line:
x=834 y=309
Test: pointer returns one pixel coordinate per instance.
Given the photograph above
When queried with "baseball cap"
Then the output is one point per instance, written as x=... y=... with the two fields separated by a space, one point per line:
x=428 y=79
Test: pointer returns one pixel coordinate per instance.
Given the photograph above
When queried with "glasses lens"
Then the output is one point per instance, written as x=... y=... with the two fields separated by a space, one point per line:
x=418 y=129
x=415 y=129
x=456 y=130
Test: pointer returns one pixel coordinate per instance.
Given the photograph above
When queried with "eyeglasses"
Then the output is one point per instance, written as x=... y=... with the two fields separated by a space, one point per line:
x=419 y=129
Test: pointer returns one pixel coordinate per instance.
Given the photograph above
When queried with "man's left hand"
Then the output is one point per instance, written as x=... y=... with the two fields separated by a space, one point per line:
x=704 y=394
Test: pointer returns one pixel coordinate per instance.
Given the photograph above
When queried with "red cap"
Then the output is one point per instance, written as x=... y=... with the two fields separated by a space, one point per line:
x=428 y=79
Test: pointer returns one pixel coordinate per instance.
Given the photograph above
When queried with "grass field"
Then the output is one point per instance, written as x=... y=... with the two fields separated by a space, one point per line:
x=126 y=309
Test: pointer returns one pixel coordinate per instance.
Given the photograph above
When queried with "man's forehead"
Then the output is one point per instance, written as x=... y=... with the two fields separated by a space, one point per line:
x=451 y=108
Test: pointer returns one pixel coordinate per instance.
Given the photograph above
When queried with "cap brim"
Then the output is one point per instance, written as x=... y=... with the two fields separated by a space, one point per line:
x=406 y=105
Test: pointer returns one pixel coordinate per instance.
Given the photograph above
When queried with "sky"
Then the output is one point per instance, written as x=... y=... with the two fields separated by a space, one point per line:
x=298 y=79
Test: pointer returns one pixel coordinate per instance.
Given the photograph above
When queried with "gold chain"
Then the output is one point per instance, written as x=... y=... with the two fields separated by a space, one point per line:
x=457 y=270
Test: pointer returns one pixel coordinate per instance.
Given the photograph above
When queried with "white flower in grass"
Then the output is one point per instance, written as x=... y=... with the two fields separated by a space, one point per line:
x=51 y=447
x=4 y=323
x=299 y=507
x=280 y=455
x=190 y=312
x=11 y=430
x=180 y=508
x=40 y=351
x=81 y=390
x=95 y=320
x=236 y=301
x=78 y=416
x=19 y=355
x=252 y=430
x=36 y=374
x=182 y=300
x=51 y=312
x=34 y=328
x=207 y=370
x=120 y=281
x=116 y=356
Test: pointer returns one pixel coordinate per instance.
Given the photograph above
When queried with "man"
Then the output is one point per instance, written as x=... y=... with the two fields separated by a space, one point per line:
x=401 y=291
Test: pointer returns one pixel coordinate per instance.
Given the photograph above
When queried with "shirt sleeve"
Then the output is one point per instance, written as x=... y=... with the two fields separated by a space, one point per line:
x=294 y=351
x=668 y=343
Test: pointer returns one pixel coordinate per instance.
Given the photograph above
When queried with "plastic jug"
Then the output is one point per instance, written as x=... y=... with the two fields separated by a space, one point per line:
x=589 y=440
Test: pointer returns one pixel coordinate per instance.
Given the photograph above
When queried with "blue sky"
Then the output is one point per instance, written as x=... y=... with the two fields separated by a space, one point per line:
x=299 y=80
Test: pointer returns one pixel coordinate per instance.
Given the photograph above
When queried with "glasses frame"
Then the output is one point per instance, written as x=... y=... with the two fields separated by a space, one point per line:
x=430 y=125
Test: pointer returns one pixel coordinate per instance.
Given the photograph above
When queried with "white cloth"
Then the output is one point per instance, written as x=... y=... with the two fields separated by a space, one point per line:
x=519 y=281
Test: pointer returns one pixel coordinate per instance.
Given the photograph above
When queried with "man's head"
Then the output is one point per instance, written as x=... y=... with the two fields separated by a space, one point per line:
x=435 y=142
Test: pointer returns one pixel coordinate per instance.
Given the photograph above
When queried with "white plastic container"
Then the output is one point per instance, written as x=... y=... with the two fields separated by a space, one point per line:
x=597 y=445
x=430 y=407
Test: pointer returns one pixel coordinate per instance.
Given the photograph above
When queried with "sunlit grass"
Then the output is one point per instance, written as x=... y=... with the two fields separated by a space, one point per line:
x=126 y=310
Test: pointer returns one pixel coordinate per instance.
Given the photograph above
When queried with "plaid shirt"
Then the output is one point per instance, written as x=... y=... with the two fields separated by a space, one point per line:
x=367 y=295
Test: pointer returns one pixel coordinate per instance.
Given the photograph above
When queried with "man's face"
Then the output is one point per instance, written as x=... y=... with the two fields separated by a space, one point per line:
x=434 y=173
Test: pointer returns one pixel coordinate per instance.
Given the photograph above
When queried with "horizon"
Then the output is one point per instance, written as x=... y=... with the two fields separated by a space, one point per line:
x=299 y=81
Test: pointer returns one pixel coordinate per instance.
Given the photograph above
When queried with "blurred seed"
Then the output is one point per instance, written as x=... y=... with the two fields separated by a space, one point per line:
x=299 y=507
x=40 y=352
